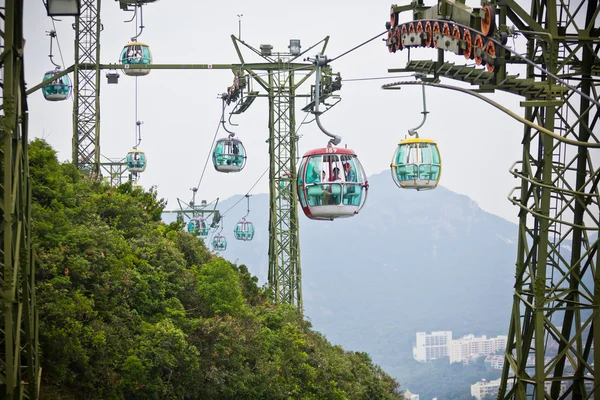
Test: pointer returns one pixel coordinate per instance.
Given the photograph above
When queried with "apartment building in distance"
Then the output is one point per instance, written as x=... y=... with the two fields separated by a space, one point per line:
x=469 y=347
x=435 y=345
x=432 y=346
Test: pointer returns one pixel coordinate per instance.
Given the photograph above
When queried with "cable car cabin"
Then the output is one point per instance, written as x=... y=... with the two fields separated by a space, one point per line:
x=331 y=184
x=136 y=161
x=133 y=54
x=198 y=227
x=417 y=164
x=219 y=243
x=229 y=155
x=244 y=230
x=59 y=89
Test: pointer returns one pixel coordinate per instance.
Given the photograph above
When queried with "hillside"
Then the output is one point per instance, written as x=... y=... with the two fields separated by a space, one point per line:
x=131 y=308
x=408 y=262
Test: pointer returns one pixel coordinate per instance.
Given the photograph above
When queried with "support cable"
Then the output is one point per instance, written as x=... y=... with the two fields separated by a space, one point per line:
x=209 y=153
x=360 y=45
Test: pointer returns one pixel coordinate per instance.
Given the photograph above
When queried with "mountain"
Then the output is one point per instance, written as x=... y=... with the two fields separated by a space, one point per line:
x=410 y=261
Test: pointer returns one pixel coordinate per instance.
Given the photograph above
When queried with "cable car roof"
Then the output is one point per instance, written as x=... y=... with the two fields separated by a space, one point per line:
x=229 y=139
x=135 y=151
x=136 y=44
x=417 y=140
x=330 y=151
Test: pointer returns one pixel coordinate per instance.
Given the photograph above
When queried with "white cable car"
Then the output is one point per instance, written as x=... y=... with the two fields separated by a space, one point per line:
x=331 y=183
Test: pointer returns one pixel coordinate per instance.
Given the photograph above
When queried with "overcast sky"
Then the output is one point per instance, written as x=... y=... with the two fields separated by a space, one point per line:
x=180 y=109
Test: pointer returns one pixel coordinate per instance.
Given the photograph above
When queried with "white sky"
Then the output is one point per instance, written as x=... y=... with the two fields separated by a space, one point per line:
x=180 y=109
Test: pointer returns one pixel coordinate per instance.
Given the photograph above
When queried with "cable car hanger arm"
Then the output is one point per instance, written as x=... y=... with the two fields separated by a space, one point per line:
x=413 y=131
x=321 y=60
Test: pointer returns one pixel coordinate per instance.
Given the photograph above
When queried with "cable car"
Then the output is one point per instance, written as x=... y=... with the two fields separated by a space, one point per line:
x=219 y=243
x=417 y=164
x=198 y=227
x=135 y=53
x=229 y=155
x=244 y=230
x=136 y=161
x=331 y=184
x=59 y=89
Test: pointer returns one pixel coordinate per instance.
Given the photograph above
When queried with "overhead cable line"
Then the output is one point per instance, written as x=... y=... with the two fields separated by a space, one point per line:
x=360 y=45
x=210 y=149
x=375 y=78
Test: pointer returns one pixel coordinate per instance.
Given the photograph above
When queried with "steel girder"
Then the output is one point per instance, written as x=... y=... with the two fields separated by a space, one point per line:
x=555 y=322
x=86 y=85
x=19 y=362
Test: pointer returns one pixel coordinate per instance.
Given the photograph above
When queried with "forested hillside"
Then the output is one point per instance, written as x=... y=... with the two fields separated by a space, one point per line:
x=132 y=308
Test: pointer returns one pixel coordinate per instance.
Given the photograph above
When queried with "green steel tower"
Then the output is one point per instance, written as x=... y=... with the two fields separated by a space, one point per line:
x=555 y=323
x=86 y=84
x=19 y=362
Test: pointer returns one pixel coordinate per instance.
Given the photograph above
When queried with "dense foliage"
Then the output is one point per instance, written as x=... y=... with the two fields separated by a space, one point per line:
x=131 y=308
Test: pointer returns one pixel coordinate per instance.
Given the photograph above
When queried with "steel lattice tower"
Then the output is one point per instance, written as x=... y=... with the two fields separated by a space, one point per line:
x=86 y=85
x=555 y=323
x=285 y=278
x=19 y=362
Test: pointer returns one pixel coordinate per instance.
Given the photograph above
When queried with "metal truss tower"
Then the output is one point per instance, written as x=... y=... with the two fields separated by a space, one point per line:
x=19 y=362
x=285 y=277
x=555 y=323
x=86 y=85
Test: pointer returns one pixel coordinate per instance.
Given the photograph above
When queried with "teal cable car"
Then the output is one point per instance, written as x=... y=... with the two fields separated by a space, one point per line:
x=135 y=54
x=59 y=89
x=229 y=155
x=244 y=230
x=198 y=227
x=136 y=161
x=417 y=164
x=219 y=243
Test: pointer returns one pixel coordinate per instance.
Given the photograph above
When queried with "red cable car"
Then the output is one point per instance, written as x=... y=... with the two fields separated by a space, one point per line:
x=331 y=183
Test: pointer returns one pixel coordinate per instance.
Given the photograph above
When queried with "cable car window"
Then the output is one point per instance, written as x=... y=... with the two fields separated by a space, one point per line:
x=302 y=198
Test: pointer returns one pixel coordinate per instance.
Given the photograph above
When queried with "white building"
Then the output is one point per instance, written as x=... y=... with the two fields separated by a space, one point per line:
x=432 y=346
x=469 y=347
x=410 y=396
x=487 y=388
